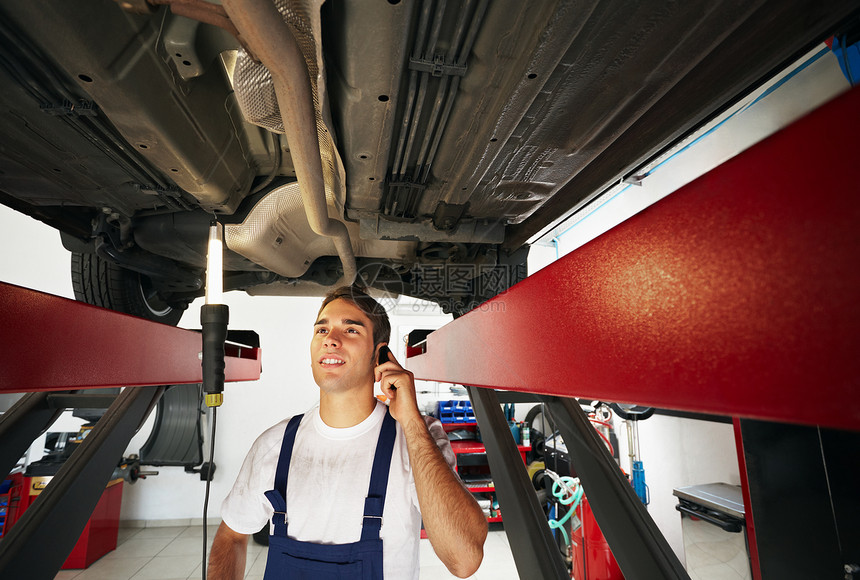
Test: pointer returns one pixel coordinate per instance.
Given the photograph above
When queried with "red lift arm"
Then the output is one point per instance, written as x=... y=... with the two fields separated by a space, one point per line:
x=737 y=295
x=49 y=343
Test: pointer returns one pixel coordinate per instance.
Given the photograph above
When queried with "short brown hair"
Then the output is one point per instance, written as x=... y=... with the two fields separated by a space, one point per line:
x=357 y=296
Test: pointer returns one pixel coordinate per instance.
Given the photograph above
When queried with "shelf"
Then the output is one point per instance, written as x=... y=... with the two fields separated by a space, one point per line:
x=464 y=447
x=472 y=446
x=454 y=426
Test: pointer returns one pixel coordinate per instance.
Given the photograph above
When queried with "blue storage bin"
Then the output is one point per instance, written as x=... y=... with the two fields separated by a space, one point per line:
x=455 y=412
x=446 y=411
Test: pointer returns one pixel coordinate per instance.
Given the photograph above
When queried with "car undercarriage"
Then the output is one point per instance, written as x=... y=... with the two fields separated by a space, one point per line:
x=395 y=143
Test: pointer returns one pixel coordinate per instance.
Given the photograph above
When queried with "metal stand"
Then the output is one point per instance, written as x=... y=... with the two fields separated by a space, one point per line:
x=534 y=550
x=638 y=546
x=29 y=417
x=54 y=344
x=735 y=296
x=60 y=513
x=802 y=494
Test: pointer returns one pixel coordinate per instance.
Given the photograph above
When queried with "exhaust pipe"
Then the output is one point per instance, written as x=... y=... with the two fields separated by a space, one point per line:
x=270 y=40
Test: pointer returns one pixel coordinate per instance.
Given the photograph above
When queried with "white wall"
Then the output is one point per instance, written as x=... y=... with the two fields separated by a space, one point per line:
x=676 y=453
x=285 y=388
x=32 y=255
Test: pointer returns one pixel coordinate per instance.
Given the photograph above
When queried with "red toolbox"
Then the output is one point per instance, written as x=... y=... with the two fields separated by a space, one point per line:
x=98 y=537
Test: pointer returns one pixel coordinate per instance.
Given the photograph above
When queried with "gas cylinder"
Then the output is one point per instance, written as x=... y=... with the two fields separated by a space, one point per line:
x=592 y=558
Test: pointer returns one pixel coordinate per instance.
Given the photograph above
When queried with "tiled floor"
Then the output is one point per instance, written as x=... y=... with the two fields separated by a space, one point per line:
x=175 y=553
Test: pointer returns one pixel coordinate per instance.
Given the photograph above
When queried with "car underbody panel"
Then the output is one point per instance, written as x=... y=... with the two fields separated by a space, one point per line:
x=448 y=133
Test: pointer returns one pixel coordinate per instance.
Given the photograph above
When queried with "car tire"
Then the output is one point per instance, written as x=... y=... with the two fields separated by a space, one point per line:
x=101 y=283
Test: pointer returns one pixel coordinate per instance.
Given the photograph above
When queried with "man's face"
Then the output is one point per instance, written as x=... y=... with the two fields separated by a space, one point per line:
x=342 y=353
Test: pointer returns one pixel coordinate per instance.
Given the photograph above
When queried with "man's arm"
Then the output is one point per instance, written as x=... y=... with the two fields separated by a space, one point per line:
x=227 y=555
x=453 y=520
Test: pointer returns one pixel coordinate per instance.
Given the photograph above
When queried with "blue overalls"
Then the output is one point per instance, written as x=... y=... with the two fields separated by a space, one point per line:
x=362 y=560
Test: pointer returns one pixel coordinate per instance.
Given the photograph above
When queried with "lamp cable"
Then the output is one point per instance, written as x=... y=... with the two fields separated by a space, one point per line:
x=208 y=481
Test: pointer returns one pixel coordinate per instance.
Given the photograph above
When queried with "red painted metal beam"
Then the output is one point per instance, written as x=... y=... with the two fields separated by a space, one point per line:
x=749 y=522
x=737 y=295
x=50 y=343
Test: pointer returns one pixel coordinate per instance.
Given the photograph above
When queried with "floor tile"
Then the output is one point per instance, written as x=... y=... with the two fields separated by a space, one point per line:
x=125 y=534
x=113 y=569
x=161 y=532
x=138 y=548
x=252 y=558
x=259 y=566
x=196 y=573
x=185 y=547
x=167 y=568
x=175 y=552
x=197 y=532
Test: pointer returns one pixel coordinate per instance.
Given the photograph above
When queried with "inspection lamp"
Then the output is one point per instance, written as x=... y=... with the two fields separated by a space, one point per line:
x=214 y=317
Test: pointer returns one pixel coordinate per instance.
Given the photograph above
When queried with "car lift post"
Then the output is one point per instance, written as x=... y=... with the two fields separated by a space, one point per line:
x=612 y=498
x=61 y=511
x=535 y=552
x=21 y=424
x=734 y=296
x=54 y=344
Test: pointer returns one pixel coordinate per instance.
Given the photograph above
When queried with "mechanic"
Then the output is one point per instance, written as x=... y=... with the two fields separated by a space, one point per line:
x=359 y=475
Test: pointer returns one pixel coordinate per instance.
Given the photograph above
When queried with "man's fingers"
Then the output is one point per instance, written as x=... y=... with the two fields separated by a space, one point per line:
x=379 y=370
x=387 y=382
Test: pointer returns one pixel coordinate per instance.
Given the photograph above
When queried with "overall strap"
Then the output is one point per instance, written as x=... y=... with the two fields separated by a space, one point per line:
x=375 y=502
x=277 y=496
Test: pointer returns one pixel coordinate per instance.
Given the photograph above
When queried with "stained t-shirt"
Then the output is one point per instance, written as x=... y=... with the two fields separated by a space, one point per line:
x=327 y=484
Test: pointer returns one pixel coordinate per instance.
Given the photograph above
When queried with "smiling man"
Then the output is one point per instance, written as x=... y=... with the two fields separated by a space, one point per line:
x=347 y=484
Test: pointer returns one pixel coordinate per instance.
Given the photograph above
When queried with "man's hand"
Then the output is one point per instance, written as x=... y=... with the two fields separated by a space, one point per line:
x=398 y=386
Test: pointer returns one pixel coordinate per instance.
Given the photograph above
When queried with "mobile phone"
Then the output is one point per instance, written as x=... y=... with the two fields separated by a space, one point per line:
x=383 y=355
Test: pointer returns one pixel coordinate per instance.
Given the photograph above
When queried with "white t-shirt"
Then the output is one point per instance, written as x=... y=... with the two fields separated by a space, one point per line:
x=327 y=484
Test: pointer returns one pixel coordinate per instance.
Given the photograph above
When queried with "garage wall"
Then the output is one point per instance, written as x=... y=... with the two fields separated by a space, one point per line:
x=285 y=388
x=32 y=255
x=676 y=453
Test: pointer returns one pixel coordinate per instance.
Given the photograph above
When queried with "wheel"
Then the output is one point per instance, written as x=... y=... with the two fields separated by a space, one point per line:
x=539 y=421
x=632 y=412
x=541 y=426
x=102 y=283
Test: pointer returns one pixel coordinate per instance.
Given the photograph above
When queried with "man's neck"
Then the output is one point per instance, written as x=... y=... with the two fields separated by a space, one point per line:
x=347 y=409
